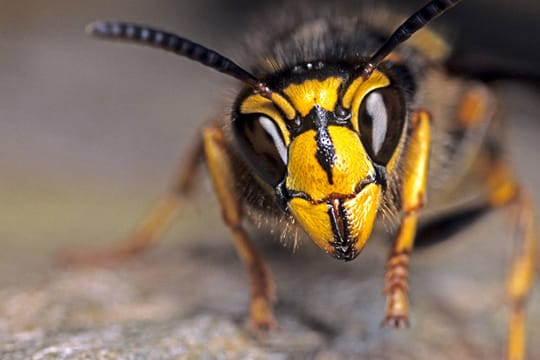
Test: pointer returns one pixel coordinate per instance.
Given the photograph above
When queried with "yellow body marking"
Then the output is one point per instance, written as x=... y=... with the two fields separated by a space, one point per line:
x=357 y=91
x=361 y=86
x=315 y=220
x=362 y=212
x=351 y=164
x=284 y=105
x=306 y=95
x=412 y=199
x=258 y=104
x=416 y=166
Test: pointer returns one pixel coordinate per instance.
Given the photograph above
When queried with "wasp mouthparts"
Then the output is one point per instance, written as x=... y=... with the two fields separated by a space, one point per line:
x=343 y=243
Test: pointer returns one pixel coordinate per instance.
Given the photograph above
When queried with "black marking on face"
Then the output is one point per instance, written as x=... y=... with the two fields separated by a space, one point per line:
x=342 y=243
x=326 y=151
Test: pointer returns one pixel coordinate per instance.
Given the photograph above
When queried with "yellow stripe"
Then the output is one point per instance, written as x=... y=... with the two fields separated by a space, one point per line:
x=306 y=95
x=359 y=89
x=257 y=104
x=284 y=105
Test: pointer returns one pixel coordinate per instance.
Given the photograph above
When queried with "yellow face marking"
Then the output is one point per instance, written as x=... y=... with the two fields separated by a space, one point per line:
x=257 y=104
x=306 y=95
x=315 y=221
x=362 y=212
x=361 y=215
x=359 y=89
x=284 y=105
x=376 y=80
x=351 y=164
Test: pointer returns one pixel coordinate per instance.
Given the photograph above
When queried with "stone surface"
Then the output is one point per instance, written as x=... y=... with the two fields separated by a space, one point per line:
x=191 y=302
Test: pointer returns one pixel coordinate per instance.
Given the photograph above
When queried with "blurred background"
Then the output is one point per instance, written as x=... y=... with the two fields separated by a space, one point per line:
x=92 y=132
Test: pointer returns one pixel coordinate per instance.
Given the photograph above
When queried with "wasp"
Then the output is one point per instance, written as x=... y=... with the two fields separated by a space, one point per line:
x=342 y=121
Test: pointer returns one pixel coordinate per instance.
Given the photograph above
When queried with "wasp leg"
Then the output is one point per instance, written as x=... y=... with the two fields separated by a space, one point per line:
x=262 y=284
x=521 y=275
x=506 y=192
x=412 y=197
x=152 y=226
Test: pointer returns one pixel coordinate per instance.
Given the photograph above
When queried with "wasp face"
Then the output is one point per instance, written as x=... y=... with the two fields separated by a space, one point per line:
x=332 y=187
x=328 y=157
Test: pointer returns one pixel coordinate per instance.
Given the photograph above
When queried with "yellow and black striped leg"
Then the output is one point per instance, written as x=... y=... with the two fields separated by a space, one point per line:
x=505 y=191
x=412 y=197
x=262 y=285
x=152 y=226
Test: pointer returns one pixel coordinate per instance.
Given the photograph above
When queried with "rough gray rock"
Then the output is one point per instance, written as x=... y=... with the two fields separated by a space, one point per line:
x=191 y=302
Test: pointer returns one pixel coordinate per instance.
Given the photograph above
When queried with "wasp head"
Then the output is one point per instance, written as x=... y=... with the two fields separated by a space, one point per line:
x=325 y=144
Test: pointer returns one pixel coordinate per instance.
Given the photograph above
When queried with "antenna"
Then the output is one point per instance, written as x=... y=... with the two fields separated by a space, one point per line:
x=146 y=35
x=415 y=22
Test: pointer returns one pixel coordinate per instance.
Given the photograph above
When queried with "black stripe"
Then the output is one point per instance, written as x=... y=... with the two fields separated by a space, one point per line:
x=326 y=152
x=342 y=243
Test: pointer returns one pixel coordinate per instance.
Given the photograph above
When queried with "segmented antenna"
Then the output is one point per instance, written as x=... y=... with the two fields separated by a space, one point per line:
x=418 y=20
x=145 y=35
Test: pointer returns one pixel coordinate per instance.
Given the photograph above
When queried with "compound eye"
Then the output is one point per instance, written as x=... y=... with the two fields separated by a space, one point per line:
x=380 y=121
x=262 y=145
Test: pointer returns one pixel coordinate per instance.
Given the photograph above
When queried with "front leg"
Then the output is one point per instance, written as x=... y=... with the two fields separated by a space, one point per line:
x=221 y=171
x=412 y=198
